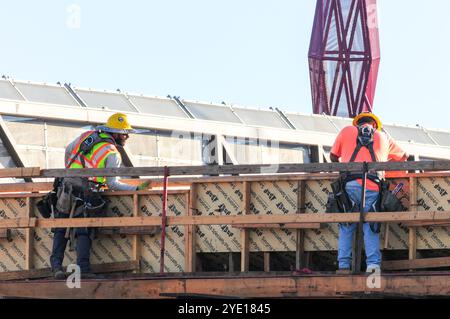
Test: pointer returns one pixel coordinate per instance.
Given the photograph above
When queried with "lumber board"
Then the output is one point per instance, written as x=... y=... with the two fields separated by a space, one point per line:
x=20 y=172
x=237 y=286
x=134 y=231
x=187 y=181
x=245 y=235
x=29 y=236
x=300 y=234
x=423 y=224
x=417 y=263
x=412 y=235
x=47 y=272
x=136 y=239
x=420 y=216
x=280 y=226
x=190 y=245
x=266 y=261
x=17 y=223
x=443 y=165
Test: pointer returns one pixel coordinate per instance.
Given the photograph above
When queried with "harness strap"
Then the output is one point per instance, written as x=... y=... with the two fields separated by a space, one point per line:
x=358 y=148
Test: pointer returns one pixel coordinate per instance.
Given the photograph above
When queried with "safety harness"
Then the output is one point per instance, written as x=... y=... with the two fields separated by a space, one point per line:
x=365 y=139
x=87 y=143
x=339 y=200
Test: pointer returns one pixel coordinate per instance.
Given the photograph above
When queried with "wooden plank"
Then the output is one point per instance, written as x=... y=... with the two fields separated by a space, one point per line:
x=443 y=165
x=397 y=217
x=29 y=236
x=230 y=262
x=266 y=261
x=47 y=272
x=412 y=234
x=249 y=178
x=300 y=234
x=280 y=226
x=245 y=234
x=238 y=286
x=190 y=251
x=137 y=230
x=187 y=181
x=20 y=172
x=136 y=239
x=17 y=223
x=422 y=224
x=47 y=186
x=417 y=263
x=386 y=236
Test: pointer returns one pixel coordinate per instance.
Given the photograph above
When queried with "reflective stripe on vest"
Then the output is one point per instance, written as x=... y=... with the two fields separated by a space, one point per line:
x=96 y=158
x=77 y=147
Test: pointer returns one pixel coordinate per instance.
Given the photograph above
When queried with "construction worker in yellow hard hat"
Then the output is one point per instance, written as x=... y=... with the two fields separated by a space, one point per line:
x=367 y=117
x=79 y=196
x=364 y=141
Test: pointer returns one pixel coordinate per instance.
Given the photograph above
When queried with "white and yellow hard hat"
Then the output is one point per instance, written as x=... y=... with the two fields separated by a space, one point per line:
x=117 y=123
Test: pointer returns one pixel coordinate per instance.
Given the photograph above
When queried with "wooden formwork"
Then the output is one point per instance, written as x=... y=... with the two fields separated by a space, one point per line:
x=237 y=285
x=222 y=214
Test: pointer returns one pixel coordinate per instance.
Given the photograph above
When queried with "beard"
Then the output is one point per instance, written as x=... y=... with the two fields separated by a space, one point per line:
x=119 y=141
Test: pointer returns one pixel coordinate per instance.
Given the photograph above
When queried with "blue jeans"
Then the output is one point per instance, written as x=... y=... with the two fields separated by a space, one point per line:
x=83 y=248
x=346 y=231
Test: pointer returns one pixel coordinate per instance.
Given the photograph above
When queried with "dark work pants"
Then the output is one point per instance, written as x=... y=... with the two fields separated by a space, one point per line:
x=83 y=248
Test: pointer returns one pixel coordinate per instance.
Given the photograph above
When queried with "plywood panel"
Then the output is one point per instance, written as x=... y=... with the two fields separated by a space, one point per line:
x=218 y=199
x=12 y=252
x=151 y=205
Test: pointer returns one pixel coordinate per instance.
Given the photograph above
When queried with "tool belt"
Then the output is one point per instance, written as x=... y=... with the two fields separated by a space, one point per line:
x=82 y=193
x=69 y=191
x=339 y=201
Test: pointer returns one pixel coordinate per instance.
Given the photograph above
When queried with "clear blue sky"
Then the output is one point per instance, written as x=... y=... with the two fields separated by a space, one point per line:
x=247 y=52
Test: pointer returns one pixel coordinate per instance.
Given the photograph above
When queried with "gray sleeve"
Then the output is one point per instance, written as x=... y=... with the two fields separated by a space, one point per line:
x=114 y=161
x=69 y=150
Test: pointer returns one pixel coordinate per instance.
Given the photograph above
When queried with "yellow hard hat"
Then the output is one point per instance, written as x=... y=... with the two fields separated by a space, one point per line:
x=368 y=114
x=117 y=123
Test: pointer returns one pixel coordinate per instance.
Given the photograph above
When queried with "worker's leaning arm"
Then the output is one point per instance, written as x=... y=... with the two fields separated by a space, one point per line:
x=113 y=182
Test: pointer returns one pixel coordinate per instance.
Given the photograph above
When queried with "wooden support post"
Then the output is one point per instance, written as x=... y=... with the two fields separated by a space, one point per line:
x=29 y=234
x=245 y=233
x=190 y=254
x=412 y=207
x=386 y=236
x=300 y=240
x=230 y=262
x=136 y=239
x=267 y=261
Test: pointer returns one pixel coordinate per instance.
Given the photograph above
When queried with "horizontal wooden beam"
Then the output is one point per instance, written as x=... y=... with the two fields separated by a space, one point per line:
x=417 y=263
x=144 y=230
x=425 y=216
x=47 y=272
x=20 y=172
x=249 y=169
x=443 y=165
x=237 y=286
x=423 y=224
x=186 y=181
x=14 y=223
x=280 y=226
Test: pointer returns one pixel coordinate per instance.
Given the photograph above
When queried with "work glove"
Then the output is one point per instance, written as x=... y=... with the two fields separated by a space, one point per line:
x=143 y=186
